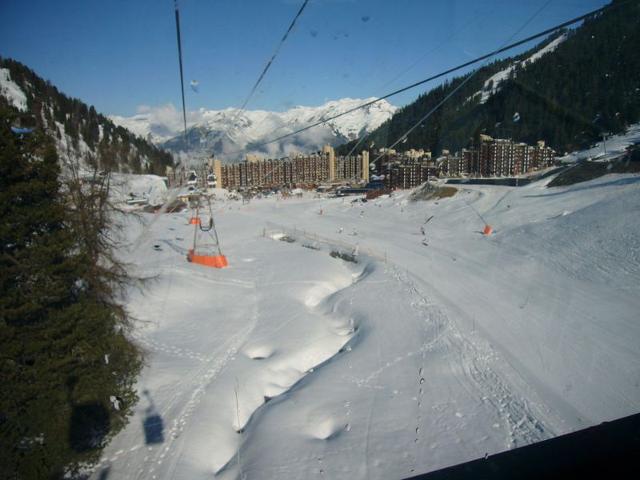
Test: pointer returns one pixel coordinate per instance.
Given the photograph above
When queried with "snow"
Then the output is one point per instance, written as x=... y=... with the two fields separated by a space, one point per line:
x=11 y=91
x=69 y=154
x=292 y=364
x=492 y=84
x=150 y=187
x=235 y=130
x=612 y=147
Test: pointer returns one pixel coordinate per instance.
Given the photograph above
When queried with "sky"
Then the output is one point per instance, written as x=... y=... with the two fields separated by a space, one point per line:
x=121 y=55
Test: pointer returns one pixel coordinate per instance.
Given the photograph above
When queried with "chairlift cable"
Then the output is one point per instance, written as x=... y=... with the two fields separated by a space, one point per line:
x=458 y=87
x=269 y=63
x=440 y=75
x=184 y=109
x=453 y=92
x=452 y=35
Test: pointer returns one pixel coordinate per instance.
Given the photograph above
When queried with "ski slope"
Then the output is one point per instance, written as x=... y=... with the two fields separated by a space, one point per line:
x=293 y=364
x=492 y=85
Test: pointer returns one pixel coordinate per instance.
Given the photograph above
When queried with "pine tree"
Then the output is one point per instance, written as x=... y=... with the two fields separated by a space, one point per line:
x=59 y=320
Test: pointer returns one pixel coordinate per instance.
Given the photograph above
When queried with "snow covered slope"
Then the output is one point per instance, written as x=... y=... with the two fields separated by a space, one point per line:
x=492 y=84
x=151 y=188
x=226 y=131
x=294 y=364
x=610 y=148
x=11 y=91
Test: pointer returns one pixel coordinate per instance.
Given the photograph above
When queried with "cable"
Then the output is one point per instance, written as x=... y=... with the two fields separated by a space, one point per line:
x=396 y=77
x=269 y=62
x=437 y=47
x=410 y=67
x=184 y=109
x=434 y=77
x=458 y=87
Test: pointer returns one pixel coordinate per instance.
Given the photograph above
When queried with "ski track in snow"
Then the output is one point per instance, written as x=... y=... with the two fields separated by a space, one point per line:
x=524 y=427
x=327 y=315
x=192 y=387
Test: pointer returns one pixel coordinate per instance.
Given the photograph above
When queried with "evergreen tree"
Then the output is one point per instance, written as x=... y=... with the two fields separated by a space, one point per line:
x=62 y=333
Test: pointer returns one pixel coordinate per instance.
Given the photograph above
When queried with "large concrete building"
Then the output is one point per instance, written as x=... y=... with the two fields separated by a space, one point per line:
x=491 y=158
x=409 y=174
x=497 y=158
x=297 y=171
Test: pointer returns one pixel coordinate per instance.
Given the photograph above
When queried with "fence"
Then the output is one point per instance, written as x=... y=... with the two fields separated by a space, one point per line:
x=315 y=241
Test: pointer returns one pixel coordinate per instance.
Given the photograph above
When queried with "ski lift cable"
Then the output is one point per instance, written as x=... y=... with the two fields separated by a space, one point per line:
x=453 y=34
x=459 y=86
x=184 y=108
x=515 y=120
x=453 y=92
x=269 y=63
x=356 y=145
x=439 y=75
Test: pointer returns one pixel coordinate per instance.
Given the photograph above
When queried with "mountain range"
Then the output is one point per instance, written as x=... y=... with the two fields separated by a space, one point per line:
x=232 y=133
x=572 y=89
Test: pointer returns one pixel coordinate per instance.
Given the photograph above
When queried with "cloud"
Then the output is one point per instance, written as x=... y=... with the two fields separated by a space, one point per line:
x=231 y=134
x=166 y=120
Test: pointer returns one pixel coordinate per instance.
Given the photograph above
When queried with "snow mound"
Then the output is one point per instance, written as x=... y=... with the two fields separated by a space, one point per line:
x=326 y=428
x=323 y=290
x=258 y=351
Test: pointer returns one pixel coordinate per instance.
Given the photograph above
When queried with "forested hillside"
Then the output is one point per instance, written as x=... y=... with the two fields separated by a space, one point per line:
x=589 y=85
x=79 y=130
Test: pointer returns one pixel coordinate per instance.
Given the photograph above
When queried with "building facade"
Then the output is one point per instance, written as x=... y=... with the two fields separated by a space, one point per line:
x=298 y=171
x=497 y=158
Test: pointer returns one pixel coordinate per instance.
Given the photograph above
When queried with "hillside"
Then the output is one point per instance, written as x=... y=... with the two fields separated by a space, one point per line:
x=571 y=89
x=78 y=130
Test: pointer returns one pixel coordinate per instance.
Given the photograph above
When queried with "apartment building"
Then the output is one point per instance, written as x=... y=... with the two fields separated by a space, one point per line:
x=497 y=158
x=297 y=171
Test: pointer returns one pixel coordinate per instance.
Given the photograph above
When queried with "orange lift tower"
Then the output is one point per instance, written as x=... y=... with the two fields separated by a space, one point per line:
x=206 y=244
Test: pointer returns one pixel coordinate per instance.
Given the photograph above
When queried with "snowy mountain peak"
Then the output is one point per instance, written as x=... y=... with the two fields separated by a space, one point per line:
x=224 y=132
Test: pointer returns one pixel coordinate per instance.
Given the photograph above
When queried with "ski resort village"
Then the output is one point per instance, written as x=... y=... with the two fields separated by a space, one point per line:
x=446 y=288
x=376 y=339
